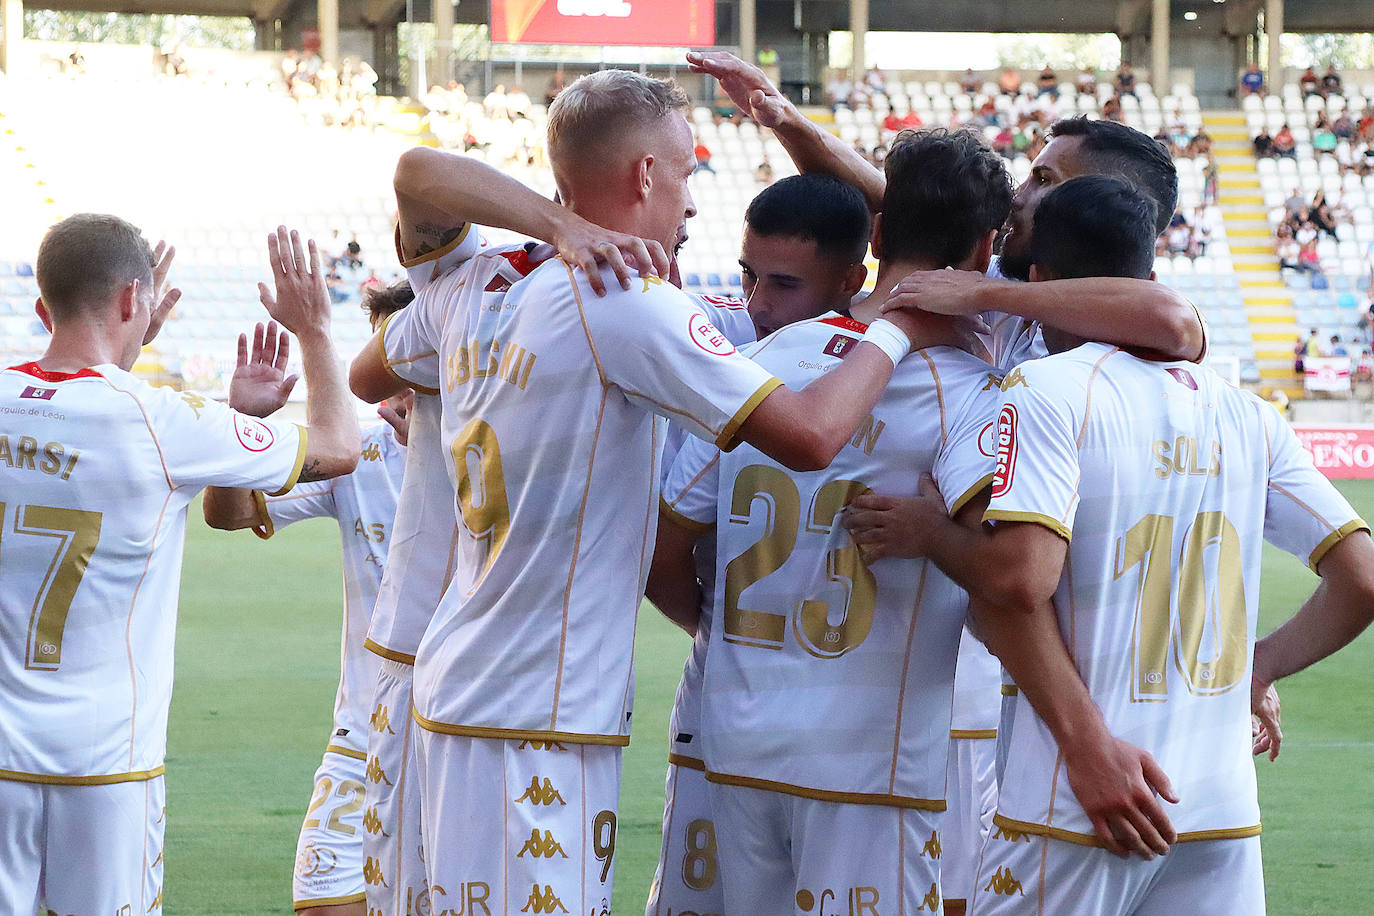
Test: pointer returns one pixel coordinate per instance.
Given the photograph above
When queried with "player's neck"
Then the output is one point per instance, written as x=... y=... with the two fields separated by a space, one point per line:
x=890 y=273
x=73 y=348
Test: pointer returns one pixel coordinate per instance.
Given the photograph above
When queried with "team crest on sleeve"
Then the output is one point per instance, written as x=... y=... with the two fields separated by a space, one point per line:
x=987 y=440
x=839 y=345
x=254 y=435
x=1006 y=451
x=705 y=336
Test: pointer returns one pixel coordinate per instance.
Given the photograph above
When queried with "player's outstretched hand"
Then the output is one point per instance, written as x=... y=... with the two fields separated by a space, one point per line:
x=165 y=296
x=746 y=84
x=945 y=292
x=1119 y=786
x=1264 y=724
x=587 y=245
x=926 y=329
x=260 y=385
x=302 y=301
x=890 y=526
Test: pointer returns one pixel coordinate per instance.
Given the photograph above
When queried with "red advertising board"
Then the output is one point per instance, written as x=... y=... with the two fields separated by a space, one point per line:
x=674 y=23
x=1340 y=452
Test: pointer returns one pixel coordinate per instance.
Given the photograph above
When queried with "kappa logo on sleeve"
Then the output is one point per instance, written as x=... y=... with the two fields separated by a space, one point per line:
x=254 y=435
x=705 y=336
x=1006 y=451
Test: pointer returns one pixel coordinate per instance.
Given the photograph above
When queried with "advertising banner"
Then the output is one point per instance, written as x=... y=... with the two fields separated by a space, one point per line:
x=673 y=23
x=1340 y=452
x=1326 y=373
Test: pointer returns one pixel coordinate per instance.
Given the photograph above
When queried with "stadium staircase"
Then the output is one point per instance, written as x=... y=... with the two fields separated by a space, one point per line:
x=1268 y=302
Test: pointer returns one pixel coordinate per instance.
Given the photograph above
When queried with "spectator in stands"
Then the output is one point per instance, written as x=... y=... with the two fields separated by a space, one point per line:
x=496 y=105
x=892 y=122
x=1364 y=368
x=1202 y=230
x=1179 y=235
x=1323 y=141
x=1252 y=81
x=1263 y=144
x=987 y=114
x=310 y=63
x=1211 y=182
x=1364 y=127
x=1009 y=83
x=1200 y=145
x=1284 y=144
x=1294 y=204
x=372 y=282
x=1309 y=260
x=1125 y=81
x=875 y=80
x=1344 y=125
x=289 y=64
x=1087 y=82
x=764 y=174
x=1166 y=140
x=556 y=84
x=1335 y=347
x=76 y=61
x=703 y=154
x=1331 y=81
x=767 y=56
x=1312 y=348
x=1310 y=83
x=1047 y=83
x=839 y=89
x=1286 y=248
x=1004 y=143
x=518 y=103
x=1320 y=215
x=1111 y=109
x=174 y=64
x=1178 y=127
x=971 y=84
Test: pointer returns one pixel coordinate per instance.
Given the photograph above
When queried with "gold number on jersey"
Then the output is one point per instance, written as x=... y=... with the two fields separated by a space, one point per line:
x=481 y=486
x=77 y=532
x=816 y=632
x=603 y=841
x=1209 y=640
x=699 y=867
x=768 y=488
x=350 y=789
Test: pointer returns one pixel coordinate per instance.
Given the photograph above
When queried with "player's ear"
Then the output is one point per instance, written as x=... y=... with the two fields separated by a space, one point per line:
x=43 y=314
x=983 y=253
x=128 y=301
x=643 y=175
x=875 y=239
x=854 y=277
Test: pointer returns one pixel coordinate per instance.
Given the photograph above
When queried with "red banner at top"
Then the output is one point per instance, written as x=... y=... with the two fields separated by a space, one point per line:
x=673 y=23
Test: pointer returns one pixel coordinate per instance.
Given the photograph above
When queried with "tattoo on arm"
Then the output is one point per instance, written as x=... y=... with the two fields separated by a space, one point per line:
x=431 y=237
x=310 y=471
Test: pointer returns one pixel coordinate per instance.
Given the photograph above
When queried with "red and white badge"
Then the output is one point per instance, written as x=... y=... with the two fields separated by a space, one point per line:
x=1006 y=451
x=254 y=435
x=705 y=335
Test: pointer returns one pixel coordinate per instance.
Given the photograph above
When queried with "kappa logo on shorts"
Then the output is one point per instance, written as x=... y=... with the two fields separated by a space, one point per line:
x=1004 y=884
x=1006 y=451
x=931 y=901
x=932 y=847
x=1011 y=836
x=544 y=847
x=381 y=722
x=254 y=435
x=372 y=873
x=528 y=745
x=545 y=901
x=994 y=381
x=372 y=823
x=375 y=774
x=536 y=794
x=314 y=861
x=705 y=336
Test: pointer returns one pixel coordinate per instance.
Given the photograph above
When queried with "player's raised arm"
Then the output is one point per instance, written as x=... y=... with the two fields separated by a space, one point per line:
x=1133 y=314
x=812 y=148
x=438 y=194
x=301 y=305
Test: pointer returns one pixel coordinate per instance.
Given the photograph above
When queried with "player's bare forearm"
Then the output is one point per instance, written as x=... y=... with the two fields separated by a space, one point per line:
x=1340 y=609
x=368 y=377
x=229 y=508
x=672 y=585
x=806 y=429
x=334 y=439
x=1133 y=314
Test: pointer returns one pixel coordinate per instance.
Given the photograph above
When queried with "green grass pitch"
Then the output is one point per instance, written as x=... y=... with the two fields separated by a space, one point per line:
x=257 y=664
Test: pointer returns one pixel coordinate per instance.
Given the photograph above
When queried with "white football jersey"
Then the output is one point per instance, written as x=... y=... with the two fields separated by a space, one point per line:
x=425 y=534
x=364 y=505
x=1167 y=480
x=977 y=687
x=730 y=315
x=548 y=394
x=96 y=470
x=826 y=678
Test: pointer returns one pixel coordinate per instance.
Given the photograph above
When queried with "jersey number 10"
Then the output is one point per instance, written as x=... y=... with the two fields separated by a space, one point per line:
x=1210 y=638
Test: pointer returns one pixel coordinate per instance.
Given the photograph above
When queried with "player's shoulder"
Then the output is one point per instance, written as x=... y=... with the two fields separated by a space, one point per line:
x=1066 y=369
x=811 y=344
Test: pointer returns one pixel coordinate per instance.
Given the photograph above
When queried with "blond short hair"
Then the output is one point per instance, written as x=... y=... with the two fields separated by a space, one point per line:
x=602 y=108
